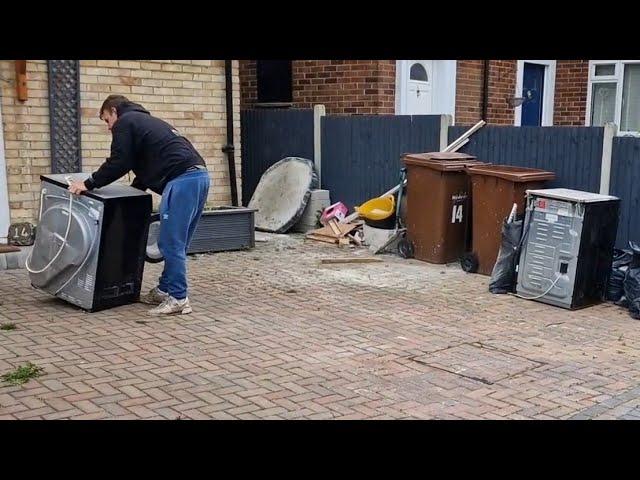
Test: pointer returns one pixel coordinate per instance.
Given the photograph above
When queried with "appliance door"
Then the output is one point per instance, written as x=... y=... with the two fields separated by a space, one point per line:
x=50 y=239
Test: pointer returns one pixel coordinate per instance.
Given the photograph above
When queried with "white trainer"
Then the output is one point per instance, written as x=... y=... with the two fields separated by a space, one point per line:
x=154 y=297
x=172 y=306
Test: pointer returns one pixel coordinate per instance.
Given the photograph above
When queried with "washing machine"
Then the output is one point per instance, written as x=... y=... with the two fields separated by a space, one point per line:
x=90 y=249
x=568 y=240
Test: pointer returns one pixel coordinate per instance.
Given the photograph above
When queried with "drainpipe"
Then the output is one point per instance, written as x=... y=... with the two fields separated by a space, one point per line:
x=5 y=220
x=229 y=148
x=485 y=90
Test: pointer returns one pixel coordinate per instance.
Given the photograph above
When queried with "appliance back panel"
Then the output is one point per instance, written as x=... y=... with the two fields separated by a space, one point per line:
x=552 y=244
x=573 y=239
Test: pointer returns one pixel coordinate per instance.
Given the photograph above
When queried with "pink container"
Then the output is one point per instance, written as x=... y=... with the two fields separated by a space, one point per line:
x=337 y=211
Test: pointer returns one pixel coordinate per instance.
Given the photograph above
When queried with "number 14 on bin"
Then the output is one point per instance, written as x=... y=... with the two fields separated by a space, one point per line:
x=456 y=213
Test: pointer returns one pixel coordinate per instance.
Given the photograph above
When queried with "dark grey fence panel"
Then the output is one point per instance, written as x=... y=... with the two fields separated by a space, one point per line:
x=361 y=154
x=269 y=136
x=573 y=153
x=625 y=183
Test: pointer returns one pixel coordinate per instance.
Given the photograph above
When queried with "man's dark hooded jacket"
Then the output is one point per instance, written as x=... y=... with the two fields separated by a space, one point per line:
x=154 y=150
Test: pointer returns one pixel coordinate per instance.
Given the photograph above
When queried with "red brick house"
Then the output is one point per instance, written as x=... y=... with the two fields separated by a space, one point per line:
x=502 y=92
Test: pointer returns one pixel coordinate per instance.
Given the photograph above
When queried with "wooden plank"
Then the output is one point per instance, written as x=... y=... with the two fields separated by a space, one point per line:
x=355 y=240
x=321 y=238
x=344 y=229
x=333 y=224
x=330 y=237
x=326 y=231
x=347 y=228
x=350 y=260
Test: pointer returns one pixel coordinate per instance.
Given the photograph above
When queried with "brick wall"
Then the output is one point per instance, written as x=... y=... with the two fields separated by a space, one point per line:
x=26 y=137
x=248 y=83
x=189 y=94
x=502 y=86
x=470 y=85
x=343 y=86
x=572 y=81
x=469 y=91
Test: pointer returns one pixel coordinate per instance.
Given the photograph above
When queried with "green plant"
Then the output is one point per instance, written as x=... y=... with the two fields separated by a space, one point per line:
x=23 y=374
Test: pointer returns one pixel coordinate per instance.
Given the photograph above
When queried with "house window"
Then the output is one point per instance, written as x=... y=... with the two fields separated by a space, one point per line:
x=603 y=103
x=630 y=108
x=614 y=94
x=274 y=83
x=605 y=70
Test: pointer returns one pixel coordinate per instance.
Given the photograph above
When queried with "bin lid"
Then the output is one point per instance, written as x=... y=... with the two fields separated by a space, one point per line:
x=442 y=161
x=439 y=156
x=512 y=173
x=571 y=195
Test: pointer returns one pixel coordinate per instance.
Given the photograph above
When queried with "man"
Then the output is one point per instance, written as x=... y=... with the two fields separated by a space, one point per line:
x=165 y=162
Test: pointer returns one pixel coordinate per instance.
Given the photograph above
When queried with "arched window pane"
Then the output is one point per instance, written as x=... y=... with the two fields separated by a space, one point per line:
x=418 y=72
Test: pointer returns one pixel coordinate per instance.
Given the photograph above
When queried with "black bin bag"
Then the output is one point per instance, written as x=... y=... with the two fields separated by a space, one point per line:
x=632 y=282
x=504 y=276
x=619 y=266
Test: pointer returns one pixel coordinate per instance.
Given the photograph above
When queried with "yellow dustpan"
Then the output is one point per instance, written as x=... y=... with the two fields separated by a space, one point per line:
x=377 y=208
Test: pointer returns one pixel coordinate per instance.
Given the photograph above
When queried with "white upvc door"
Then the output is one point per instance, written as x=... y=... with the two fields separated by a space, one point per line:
x=425 y=87
x=420 y=87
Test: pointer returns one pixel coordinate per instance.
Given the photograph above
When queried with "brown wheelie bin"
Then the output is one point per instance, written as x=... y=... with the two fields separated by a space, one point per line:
x=495 y=188
x=438 y=192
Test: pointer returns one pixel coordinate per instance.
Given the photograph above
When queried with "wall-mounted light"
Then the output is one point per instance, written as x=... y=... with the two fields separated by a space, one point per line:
x=517 y=101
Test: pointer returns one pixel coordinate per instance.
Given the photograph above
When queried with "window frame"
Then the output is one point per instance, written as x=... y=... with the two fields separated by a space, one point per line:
x=279 y=102
x=618 y=78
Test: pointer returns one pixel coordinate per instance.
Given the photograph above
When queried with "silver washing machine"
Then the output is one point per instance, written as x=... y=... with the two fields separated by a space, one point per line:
x=90 y=249
x=567 y=246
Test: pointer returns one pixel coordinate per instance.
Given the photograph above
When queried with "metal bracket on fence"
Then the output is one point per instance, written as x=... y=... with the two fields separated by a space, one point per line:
x=610 y=131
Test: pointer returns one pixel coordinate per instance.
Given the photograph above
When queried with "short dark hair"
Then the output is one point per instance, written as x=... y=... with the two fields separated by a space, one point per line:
x=112 y=101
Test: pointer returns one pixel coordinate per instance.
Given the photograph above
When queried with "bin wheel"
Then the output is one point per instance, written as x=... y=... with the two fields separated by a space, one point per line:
x=405 y=248
x=469 y=262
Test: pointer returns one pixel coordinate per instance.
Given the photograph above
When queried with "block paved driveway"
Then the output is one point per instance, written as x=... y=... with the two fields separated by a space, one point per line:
x=276 y=335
